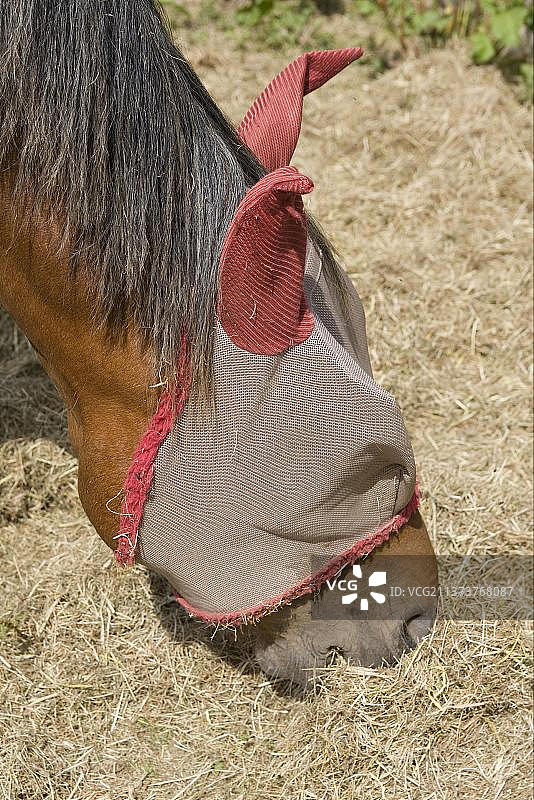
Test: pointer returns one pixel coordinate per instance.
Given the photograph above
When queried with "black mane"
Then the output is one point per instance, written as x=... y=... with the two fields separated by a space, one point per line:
x=116 y=138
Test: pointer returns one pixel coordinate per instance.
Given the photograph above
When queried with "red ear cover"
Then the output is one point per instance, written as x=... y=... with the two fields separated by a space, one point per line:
x=271 y=126
x=262 y=306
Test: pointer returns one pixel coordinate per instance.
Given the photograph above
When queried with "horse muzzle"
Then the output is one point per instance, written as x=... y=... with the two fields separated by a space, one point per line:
x=299 y=640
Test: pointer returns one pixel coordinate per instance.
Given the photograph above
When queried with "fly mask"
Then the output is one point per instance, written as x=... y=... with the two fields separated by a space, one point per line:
x=304 y=465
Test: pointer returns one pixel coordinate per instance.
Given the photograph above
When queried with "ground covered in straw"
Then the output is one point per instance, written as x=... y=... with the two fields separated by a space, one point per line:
x=108 y=692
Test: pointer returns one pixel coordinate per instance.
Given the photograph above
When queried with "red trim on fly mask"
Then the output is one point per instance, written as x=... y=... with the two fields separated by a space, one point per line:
x=261 y=302
x=141 y=471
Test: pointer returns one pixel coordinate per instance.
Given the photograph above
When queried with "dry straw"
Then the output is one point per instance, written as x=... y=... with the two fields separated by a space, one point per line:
x=108 y=692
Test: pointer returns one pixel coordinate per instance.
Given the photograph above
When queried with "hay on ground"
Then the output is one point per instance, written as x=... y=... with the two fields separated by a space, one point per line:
x=108 y=692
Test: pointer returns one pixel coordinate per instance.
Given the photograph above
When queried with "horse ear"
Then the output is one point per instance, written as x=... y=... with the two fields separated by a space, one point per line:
x=262 y=306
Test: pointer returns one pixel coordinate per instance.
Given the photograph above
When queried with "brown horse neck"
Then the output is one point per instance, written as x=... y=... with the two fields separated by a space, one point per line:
x=105 y=384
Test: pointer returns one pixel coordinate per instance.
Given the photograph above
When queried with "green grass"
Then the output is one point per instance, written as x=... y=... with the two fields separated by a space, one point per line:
x=498 y=31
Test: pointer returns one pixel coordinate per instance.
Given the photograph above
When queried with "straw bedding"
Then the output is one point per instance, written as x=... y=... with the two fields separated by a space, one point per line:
x=107 y=690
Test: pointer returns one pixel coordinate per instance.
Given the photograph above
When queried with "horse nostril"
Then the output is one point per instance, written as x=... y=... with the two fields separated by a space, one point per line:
x=417 y=627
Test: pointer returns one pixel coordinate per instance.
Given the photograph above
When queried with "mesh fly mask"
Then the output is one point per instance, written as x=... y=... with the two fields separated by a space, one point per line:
x=305 y=464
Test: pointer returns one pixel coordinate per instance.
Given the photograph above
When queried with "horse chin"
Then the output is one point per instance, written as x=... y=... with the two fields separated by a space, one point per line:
x=299 y=641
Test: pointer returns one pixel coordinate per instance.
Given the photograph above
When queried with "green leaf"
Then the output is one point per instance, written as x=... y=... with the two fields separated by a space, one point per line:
x=254 y=12
x=482 y=49
x=506 y=26
x=429 y=22
x=366 y=7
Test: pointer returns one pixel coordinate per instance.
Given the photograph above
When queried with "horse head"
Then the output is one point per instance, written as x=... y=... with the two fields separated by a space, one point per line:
x=211 y=352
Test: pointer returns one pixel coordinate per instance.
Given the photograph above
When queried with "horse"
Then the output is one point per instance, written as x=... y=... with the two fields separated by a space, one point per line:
x=120 y=177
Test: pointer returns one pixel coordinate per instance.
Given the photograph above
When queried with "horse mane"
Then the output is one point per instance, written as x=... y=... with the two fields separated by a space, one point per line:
x=116 y=138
